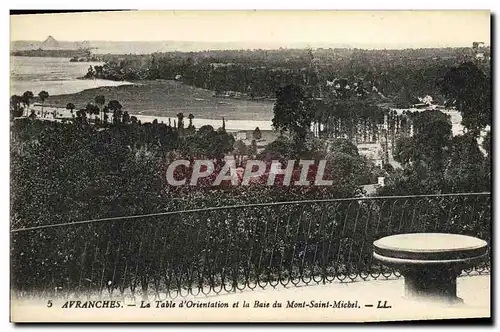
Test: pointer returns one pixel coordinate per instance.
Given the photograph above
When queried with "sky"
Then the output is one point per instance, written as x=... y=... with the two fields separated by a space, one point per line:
x=379 y=28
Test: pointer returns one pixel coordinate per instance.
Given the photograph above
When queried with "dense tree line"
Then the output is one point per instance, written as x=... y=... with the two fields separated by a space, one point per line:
x=433 y=160
x=401 y=75
x=73 y=171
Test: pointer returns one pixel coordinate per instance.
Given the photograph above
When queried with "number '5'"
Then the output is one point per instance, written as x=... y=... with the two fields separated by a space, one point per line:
x=49 y=304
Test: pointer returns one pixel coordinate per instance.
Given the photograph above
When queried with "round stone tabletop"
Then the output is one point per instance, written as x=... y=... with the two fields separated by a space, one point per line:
x=430 y=246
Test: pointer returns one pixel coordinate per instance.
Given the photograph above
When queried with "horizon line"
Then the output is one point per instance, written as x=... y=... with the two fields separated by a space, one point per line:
x=275 y=44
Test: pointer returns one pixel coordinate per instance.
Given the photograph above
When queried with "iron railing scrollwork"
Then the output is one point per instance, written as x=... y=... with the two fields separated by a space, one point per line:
x=227 y=249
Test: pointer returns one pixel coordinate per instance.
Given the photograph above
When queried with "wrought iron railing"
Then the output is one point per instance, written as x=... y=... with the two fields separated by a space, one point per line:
x=226 y=249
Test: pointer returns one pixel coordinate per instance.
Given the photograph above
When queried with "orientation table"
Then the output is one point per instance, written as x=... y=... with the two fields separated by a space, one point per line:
x=430 y=262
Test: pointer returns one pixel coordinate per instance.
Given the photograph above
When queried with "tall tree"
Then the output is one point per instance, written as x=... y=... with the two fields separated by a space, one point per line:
x=465 y=170
x=70 y=107
x=253 y=148
x=105 y=111
x=190 y=117
x=180 y=122
x=100 y=100
x=240 y=150
x=291 y=113
x=15 y=106
x=43 y=95
x=257 y=134
x=115 y=107
x=468 y=89
x=27 y=98
x=91 y=108
x=432 y=134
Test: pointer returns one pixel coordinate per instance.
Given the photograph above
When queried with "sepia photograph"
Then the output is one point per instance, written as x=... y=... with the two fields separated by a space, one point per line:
x=250 y=166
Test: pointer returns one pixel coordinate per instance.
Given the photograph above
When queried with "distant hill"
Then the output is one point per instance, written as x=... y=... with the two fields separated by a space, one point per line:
x=50 y=47
x=50 y=44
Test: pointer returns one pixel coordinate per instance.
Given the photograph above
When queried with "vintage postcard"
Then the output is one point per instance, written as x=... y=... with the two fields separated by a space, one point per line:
x=250 y=166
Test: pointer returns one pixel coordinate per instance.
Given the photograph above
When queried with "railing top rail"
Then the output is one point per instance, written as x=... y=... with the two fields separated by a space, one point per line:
x=230 y=207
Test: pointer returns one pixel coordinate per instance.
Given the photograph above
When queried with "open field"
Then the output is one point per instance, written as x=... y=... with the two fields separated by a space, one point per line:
x=167 y=98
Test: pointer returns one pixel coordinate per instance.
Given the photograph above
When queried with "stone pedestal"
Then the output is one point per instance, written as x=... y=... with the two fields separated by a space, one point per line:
x=435 y=283
x=430 y=262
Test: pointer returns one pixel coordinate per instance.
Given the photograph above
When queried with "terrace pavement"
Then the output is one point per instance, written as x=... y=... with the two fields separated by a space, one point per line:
x=473 y=289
